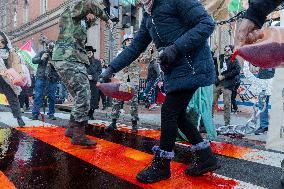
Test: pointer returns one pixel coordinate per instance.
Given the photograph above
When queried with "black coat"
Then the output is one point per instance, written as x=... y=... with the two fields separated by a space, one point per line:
x=94 y=69
x=186 y=24
x=232 y=74
x=259 y=9
x=43 y=71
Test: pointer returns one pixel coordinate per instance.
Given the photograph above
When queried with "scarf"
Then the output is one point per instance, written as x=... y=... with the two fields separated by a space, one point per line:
x=148 y=4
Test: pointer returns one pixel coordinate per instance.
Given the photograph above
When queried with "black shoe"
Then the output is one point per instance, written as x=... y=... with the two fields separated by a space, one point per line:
x=112 y=127
x=34 y=117
x=51 y=117
x=79 y=136
x=261 y=130
x=21 y=122
x=159 y=169
x=134 y=127
x=90 y=114
x=204 y=160
x=69 y=131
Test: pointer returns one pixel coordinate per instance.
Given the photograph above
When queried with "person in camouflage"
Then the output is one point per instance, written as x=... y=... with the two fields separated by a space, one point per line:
x=70 y=61
x=129 y=74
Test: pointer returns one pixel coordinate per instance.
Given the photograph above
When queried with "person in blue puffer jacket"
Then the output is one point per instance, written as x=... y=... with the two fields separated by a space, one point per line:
x=180 y=30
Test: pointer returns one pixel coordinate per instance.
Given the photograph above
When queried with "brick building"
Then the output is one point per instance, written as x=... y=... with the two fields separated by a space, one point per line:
x=38 y=20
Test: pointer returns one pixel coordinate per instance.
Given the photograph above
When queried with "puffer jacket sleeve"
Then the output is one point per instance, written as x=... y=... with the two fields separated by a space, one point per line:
x=259 y=9
x=193 y=14
x=132 y=52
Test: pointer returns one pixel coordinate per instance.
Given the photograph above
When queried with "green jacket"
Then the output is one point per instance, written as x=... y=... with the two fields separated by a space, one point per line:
x=70 y=45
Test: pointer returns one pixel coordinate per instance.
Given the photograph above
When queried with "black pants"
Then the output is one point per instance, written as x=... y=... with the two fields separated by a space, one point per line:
x=94 y=103
x=11 y=97
x=233 y=97
x=173 y=116
x=24 y=98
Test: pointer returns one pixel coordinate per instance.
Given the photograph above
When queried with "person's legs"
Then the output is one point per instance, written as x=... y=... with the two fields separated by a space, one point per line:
x=172 y=114
x=264 y=118
x=12 y=100
x=217 y=93
x=233 y=98
x=93 y=102
x=227 y=106
x=134 y=109
x=74 y=76
x=114 y=114
x=52 y=87
x=39 y=89
x=174 y=109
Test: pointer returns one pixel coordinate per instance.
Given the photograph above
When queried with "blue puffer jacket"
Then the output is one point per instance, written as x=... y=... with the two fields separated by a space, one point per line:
x=186 y=24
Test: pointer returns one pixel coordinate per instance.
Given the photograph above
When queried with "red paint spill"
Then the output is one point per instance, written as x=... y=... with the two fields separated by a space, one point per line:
x=219 y=148
x=5 y=182
x=125 y=162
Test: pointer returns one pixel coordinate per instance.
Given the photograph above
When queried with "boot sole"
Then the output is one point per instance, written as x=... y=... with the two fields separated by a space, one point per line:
x=152 y=181
x=209 y=169
x=83 y=144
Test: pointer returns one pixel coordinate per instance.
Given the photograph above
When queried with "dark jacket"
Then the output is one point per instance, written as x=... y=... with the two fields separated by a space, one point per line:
x=186 y=24
x=94 y=69
x=232 y=74
x=43 y=71
x=259 y=9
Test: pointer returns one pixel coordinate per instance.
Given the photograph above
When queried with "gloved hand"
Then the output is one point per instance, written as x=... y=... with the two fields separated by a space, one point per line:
x=168 y=55
x=106 y=75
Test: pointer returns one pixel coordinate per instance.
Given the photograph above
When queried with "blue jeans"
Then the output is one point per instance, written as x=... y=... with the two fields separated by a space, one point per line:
x=264 y=122
x=149 y=85
x=51 y=92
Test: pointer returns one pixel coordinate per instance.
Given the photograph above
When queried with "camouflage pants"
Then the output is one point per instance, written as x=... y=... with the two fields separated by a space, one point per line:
x=117 y=104
x=227 y=102
x=74 y=76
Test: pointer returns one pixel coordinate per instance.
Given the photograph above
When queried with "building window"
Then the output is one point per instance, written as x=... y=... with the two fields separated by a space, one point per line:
x=26 y=11
x=43 y=6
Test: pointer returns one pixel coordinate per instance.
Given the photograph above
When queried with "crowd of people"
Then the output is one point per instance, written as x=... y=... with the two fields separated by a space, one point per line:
x=179 y=55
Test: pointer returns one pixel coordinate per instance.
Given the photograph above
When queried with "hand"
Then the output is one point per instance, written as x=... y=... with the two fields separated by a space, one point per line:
x=90 y=77
x=44 y=56
x=106 y=75
x=168 y=55
x=109 y=24
x=90 y=17
x=221 y=77
x=248 y=33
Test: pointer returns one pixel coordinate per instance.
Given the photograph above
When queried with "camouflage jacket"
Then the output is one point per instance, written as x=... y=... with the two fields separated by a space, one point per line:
x=130 y=74
x=70 y=45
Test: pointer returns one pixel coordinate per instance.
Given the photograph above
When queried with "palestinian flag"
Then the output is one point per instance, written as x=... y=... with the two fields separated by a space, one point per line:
x=236 y=6
x=27 y=53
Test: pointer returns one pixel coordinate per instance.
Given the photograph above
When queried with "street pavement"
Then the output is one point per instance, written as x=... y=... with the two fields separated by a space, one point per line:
x=39 y=156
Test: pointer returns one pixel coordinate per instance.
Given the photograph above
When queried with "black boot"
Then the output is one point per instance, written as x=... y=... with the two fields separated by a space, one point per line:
x=159 y=169
x=69 y=130
x=91 y=114
x=203 y=160
x=21 y=122
x=134 y=127
x=282 y=177
x=79 y=136
x=112 y=126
